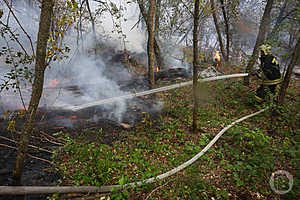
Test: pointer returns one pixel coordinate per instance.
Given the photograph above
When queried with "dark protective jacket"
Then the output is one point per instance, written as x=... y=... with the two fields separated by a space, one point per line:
x=270 y=77
x=270 y=69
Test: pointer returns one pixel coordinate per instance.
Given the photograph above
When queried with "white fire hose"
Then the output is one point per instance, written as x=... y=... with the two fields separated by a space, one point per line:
x=25 y=190
x=129 y=96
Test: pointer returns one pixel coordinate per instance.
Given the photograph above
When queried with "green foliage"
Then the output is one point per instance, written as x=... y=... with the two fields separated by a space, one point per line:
x=242 y=160
x=87 y=164
x=18 y=59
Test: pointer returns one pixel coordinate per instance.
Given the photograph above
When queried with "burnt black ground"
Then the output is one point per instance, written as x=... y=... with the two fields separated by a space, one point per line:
x=50 y=121
x=36 y=172
x=39 y=173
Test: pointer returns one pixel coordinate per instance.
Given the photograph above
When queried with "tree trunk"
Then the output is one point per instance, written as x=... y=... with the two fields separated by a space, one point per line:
x=151 y=38
x=157 y=51
x=37 y=87
x=157 y=17
x=273 y=35
x=226 y=31
x=195 y=64
x=212 y=2
x=287 y=77
x=92 y=20
x=265 y=21
x=279 y=20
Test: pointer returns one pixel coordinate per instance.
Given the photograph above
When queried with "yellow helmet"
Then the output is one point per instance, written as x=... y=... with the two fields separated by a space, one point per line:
x=266 y=49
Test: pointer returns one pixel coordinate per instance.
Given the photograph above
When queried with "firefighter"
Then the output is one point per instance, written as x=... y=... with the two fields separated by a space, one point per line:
x=269 y=74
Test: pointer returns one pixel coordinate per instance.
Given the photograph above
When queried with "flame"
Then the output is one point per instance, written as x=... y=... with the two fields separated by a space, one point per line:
x=217 y=58
x=53 y=83
x=21 y=107
x=157 y=69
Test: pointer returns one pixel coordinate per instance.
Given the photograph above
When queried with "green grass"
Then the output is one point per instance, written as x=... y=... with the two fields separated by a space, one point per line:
x=238 y=166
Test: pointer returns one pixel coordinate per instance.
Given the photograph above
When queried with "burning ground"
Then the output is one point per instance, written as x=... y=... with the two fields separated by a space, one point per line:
x=104 y=152
x=94 y=81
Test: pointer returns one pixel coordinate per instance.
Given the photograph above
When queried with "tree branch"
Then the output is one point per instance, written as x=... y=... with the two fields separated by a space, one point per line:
x=27 y=35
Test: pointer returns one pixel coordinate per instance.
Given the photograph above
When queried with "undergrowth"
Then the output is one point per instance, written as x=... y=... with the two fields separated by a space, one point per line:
x=238 y=166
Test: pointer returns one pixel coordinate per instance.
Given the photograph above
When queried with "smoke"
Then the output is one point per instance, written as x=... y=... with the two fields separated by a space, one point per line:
x=134 y=37
x=174 y=56
x=28 y=19
x=89 y=73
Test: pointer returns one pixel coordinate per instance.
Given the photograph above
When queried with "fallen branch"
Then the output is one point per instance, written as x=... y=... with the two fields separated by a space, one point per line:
x=29 y=155
x=32 y=146
x=46 y=136
x=24 y=190
x=50 y=141
x=8 y=146
x=38 y=158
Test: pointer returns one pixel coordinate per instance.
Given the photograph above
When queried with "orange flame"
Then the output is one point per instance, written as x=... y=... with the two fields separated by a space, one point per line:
x=217 y=58
x=25 y=108
x=157 y=69
x=53 y=83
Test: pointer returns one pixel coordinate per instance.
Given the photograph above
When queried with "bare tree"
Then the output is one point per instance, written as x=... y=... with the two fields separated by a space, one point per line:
x=92 y=19
x=157 y=50
x=158 y=5
x=265 y=21
x=287 y=77
x=226 y=30
x=150 y=46
x=213 y=7
x=37 y=87
x=288 y=10
x=195 y=63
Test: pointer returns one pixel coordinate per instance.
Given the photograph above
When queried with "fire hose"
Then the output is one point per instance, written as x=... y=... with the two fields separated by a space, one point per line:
x=161 y=89
x=25 y=190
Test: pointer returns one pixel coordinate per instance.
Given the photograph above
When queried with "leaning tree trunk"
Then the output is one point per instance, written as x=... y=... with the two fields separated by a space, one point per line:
x=226 y=31
x=37 y=87
x=273 y=34
x=212 y=2
x=265 y=21
x=151 y=36
x=287 y=77
x=195 y=64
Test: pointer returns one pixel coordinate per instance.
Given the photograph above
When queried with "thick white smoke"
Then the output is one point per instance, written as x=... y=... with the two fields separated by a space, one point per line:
x=81 y=70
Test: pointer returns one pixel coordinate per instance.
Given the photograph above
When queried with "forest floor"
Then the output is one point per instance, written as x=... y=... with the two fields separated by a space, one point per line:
x=238 y=166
